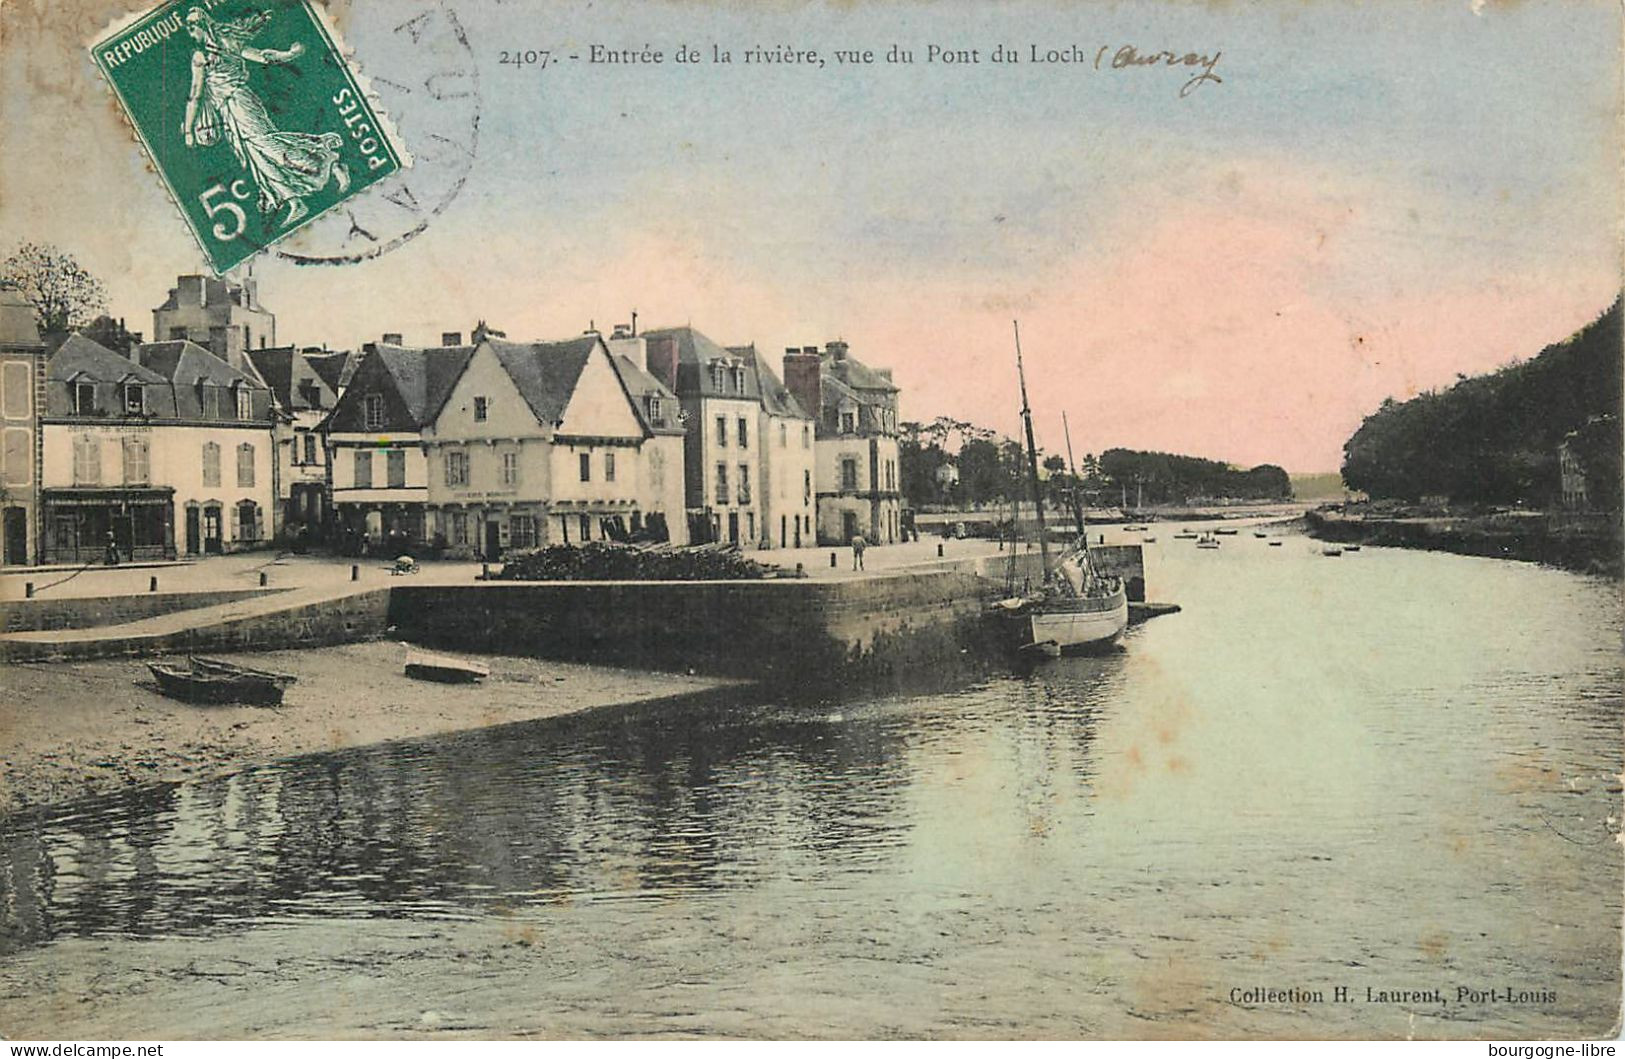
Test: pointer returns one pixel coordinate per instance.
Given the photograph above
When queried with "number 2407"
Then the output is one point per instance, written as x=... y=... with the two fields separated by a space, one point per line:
x=526 y=58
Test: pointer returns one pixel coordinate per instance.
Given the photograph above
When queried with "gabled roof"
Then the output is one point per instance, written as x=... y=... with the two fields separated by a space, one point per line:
x=776 y=397
x=545 y=373
x=334 y=369
x=641 y=385
x=292 y=378
x=413 y=382
x=857 y=375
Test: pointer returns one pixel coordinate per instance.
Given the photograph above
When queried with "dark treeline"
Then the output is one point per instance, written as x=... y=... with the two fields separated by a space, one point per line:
x=985 y=468
x=1494 y=438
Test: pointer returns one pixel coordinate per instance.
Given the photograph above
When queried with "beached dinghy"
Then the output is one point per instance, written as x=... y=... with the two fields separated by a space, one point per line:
x=213 y=682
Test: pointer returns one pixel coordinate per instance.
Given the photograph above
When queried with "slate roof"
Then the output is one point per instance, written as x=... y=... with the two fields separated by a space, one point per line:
x=776 y=397
x=695 y=352
x=856 y=374
x=641 y=385
x=79 y=357
x=177 y=375
x=545 y=373
x=334 y=369
x=18 y=328
x=413 y=382
x=293 y=378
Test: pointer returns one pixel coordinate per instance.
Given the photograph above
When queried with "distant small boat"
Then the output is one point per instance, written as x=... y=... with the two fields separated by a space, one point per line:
x=1208 y=541
x=1275 y=544
x=1260 y=536
x=1226 y=532
x=1351 y=547
x=1331 y=553
x=443 y=669
x=1184 y=535
x=1149 y=540
x=207 y=680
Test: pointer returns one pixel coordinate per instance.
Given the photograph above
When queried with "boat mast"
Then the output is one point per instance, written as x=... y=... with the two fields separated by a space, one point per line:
x=1032 y=454
x=1077 y=485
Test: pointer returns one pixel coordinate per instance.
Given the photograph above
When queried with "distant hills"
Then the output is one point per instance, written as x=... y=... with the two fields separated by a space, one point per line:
x=1494 y=438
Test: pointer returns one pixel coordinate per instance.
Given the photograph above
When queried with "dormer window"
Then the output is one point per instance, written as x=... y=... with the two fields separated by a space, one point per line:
x=717 y=372
x=849 y=421
x=84 y=398
x=739 y=378
x=245 y=403
x=654 y=407
x=135 y=399
x=373 y=411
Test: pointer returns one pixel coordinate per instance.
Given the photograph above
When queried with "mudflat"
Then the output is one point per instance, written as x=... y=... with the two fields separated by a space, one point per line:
x=73 y=729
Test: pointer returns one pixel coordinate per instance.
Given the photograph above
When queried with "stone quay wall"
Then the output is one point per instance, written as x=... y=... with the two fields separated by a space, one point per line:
x=39 y=614
x=780 y=630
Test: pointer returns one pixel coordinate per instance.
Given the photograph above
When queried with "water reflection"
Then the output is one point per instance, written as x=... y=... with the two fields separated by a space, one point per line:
x=648 y=802
x=1318 y=774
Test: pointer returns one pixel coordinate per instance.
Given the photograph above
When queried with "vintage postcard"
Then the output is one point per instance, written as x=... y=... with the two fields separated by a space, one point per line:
x=902 y=520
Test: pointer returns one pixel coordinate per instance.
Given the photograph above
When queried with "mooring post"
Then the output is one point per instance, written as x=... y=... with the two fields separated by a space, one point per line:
x=832 y=560
x=28 y=590
x=152 y=583
x=801 y=570
x=939 y=549
x=262 y=579
x=355 y=572
x=485 y=571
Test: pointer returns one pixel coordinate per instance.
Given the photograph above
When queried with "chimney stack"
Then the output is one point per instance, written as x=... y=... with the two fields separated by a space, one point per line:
x=392 y=338
x=661 y=356
x=803 y=378
x=451 y=338
x=836 y=349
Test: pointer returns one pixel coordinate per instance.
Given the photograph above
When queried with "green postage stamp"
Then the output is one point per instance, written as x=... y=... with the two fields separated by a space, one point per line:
x=250 y=113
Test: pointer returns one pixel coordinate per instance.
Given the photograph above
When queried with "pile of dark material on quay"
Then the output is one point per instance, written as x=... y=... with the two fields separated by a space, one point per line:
x=604 y=561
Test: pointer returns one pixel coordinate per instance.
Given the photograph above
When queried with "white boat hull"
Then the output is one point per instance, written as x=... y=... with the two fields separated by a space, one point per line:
x=1074 y=628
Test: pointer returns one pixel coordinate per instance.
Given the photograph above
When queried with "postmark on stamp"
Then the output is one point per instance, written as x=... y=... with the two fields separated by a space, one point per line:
x=251 y=114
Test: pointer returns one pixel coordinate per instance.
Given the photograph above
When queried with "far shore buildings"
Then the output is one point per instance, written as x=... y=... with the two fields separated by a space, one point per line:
x=166 y=452
x=22 y=394
x=858 y=483
x=481 y=449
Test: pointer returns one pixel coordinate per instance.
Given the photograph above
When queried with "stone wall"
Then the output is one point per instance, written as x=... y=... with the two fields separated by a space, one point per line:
x=800 y=630
x=316 y=623
x=40 y=614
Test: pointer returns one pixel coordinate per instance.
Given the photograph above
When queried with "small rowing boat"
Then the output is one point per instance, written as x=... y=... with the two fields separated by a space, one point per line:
x=211 y=681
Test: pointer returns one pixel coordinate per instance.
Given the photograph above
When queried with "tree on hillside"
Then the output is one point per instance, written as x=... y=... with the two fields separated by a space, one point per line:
x=1493 y=438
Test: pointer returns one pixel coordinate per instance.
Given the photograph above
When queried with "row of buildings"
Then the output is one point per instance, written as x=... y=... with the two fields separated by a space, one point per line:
x=213 y=438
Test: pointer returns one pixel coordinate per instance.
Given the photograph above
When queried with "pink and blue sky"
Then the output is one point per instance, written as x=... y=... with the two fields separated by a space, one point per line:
x=1377 y=197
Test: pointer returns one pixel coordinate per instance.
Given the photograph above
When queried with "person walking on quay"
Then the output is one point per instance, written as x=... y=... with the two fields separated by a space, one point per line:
x=858 y=546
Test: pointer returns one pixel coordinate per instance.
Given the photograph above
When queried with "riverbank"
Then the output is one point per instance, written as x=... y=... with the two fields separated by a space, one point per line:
x=1590 y=547
x=75 y=729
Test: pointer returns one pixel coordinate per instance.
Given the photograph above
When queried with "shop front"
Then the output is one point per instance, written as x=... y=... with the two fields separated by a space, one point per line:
x=91 y=525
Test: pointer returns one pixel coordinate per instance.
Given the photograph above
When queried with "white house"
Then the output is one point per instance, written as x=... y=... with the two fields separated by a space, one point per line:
x=168 y=451
x=543 y=443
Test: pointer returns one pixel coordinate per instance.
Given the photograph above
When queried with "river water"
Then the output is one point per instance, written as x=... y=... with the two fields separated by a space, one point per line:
x=1387 y=771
